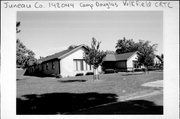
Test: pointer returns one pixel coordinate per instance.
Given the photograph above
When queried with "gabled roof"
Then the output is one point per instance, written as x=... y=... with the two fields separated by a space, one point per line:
x=61 y=54
x=159 y=58
x=119 y=57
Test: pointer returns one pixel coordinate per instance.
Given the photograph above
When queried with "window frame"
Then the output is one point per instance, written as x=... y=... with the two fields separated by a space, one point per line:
x=53 y=65
x=46 y=66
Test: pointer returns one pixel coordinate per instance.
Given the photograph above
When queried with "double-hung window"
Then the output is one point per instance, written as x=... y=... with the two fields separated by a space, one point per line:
x=79 y=64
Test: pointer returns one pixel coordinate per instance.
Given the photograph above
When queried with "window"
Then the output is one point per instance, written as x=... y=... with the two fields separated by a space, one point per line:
x=39 y=67
x=46 y=66
x=86 y=66
x=79 y=64
x=53 y=65
x=76 y=65
x=90 y=67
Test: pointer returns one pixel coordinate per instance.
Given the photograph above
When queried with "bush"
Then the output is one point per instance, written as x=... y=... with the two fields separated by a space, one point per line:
x=79 y=74
x=58 y=76
x=89 y=73
x=122 y=70
x=137 y=70
x=153 y=68
x=108 y=71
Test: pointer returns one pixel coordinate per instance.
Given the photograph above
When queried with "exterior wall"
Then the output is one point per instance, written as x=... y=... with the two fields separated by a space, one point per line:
x=50 y=69
x=130 y=61
x=99 y=69
x=156 y=61
x=114 y=65
x=68 y=67
x=121 y=65
x=108 y=64
x=31 y=70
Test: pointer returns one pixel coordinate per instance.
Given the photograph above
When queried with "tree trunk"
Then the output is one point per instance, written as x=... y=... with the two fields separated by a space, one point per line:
x=96 y=75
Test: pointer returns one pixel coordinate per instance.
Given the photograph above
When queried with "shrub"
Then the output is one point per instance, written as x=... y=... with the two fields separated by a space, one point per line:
x=79 y=74
x=137 y=70
x=89 y=73
x=108 y=71
x=58 y=76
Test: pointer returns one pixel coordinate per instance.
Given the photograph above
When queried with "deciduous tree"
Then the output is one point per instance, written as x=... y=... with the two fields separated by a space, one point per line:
x=146 y=53
x=124 y=45
x=109 y=52
x=24 y=57
x=94 y=56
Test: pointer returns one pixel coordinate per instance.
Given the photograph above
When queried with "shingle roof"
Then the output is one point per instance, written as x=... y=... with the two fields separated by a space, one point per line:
x=61 y=54
x=118 y=57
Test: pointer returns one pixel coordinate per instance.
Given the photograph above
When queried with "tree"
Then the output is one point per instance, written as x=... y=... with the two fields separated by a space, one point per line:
x=145 y=50
x=109 y=52
x=72 y=46
x=94 y=56
x=146 y=53
x=124 y=46
x=24 y=56
x=40 y=57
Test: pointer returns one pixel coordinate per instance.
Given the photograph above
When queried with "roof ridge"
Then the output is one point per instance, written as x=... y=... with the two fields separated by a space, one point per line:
x=60 y=54
x=117 y=57
x=61 y=51
x=123 y=53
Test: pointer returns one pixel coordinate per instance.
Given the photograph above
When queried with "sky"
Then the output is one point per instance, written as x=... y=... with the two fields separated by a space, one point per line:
x=48 y=32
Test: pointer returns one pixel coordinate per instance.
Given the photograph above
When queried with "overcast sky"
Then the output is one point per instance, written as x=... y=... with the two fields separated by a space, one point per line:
x=49 y=32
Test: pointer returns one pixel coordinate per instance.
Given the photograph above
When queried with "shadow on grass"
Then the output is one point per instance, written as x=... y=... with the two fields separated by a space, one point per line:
x=71 y=81
x=159 y=71
x=19 y=79
x=40 y=75
x=142 y=107
x=61 y=103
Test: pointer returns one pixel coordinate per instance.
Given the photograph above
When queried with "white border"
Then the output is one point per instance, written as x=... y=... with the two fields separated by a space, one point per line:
x=171 y=56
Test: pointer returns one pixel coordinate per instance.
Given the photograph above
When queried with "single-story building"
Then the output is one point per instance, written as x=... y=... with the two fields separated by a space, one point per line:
x=157 y=60
x=121 y=62
x=66 y=63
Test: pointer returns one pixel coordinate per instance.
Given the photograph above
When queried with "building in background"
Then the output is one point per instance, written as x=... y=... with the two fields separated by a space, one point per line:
x=121 y=62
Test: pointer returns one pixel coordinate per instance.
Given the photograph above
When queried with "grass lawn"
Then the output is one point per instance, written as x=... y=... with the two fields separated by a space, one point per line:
x=60 y=96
